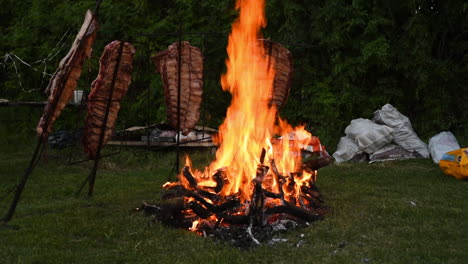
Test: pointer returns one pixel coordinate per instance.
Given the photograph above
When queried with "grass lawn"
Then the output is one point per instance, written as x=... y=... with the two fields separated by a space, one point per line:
x=394 y=212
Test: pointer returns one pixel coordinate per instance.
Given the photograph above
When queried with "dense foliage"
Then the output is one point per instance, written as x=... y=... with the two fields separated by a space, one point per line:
x=351 y=57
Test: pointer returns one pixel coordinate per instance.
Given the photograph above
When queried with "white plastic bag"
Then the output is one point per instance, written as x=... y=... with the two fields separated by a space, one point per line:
x=347 y=150
x=442 y=143
x=403 y=133
x=368 y=135
x=391 y=152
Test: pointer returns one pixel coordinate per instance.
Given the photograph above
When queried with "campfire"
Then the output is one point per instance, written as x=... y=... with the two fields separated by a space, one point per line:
x=265 y=170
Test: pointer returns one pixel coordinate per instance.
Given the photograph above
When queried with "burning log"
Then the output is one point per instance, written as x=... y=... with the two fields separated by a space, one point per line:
x=198 y=209
x=189 y=177
x=228 y=205
x=219 y=177
x=212 y=196
x=258 y=200
x=279 y=179
x=271 y=194
x=200 y=199
x=257 y=205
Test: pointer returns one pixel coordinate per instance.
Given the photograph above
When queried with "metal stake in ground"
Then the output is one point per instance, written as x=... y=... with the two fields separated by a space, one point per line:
x=179 y=69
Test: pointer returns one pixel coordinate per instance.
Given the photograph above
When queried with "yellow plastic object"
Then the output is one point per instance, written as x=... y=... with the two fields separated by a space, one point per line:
x=455 y=163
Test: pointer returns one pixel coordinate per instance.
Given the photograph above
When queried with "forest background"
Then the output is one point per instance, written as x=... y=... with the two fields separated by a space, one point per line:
x=350 y=58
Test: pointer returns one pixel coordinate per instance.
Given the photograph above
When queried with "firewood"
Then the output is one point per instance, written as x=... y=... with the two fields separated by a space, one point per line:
x=219 y=177
x=236 y=219
x=227 y=206
x=258 y=199
x=271 y=194
x=189 y=177
x=279 y=179
x=200 y=199
x=293 y=210
x=201 y=211
x=212 y=196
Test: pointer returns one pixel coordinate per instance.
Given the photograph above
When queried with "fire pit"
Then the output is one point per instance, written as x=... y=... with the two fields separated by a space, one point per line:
x=264 y=177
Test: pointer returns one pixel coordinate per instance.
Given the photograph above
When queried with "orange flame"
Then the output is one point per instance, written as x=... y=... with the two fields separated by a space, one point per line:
x=251 y=122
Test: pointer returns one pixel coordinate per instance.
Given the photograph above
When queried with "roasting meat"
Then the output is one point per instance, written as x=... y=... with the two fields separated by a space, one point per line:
x=64 y=81
x=101 y=89
x=191 y=83
x=281 y=61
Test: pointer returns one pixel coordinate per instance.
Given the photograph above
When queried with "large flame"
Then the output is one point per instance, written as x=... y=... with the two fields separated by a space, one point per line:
x=251 y=123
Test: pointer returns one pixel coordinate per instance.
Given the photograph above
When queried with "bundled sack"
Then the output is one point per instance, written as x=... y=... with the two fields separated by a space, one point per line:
x=391 y=152
x=348 y=150
x=403 y=133
x=368 y=135
x=455 y=163
x=441 y=144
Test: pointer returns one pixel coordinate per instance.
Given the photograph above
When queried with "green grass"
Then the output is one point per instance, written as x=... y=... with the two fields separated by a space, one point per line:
x=394 y=212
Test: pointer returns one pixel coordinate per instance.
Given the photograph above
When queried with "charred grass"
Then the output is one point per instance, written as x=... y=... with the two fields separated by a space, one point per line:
x=393 y=212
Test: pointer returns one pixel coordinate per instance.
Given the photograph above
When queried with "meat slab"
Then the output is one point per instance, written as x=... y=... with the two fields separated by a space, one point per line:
x=191 y=83
x=65 y=79
x=101 y=92
x=282 y=63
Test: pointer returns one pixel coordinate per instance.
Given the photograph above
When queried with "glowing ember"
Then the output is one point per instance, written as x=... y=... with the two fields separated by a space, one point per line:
x=259 y=168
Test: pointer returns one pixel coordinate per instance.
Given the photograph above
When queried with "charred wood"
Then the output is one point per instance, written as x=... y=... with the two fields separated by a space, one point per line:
x=258 y=198
x=213 y=197
x=189 y=177
x=271 y=194
x=149 y=209
x=227 y=206
x=236 y=219
x=198 y=209
x=313 y=202
x=219 y=177
x=312 y=191
x=279 y=179
x=200 y=199
x=293 y=210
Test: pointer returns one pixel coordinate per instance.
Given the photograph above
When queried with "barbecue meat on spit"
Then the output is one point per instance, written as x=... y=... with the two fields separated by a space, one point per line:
x=191 y=83
x=101 y=93
x=64 y=81
x=281 y=60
